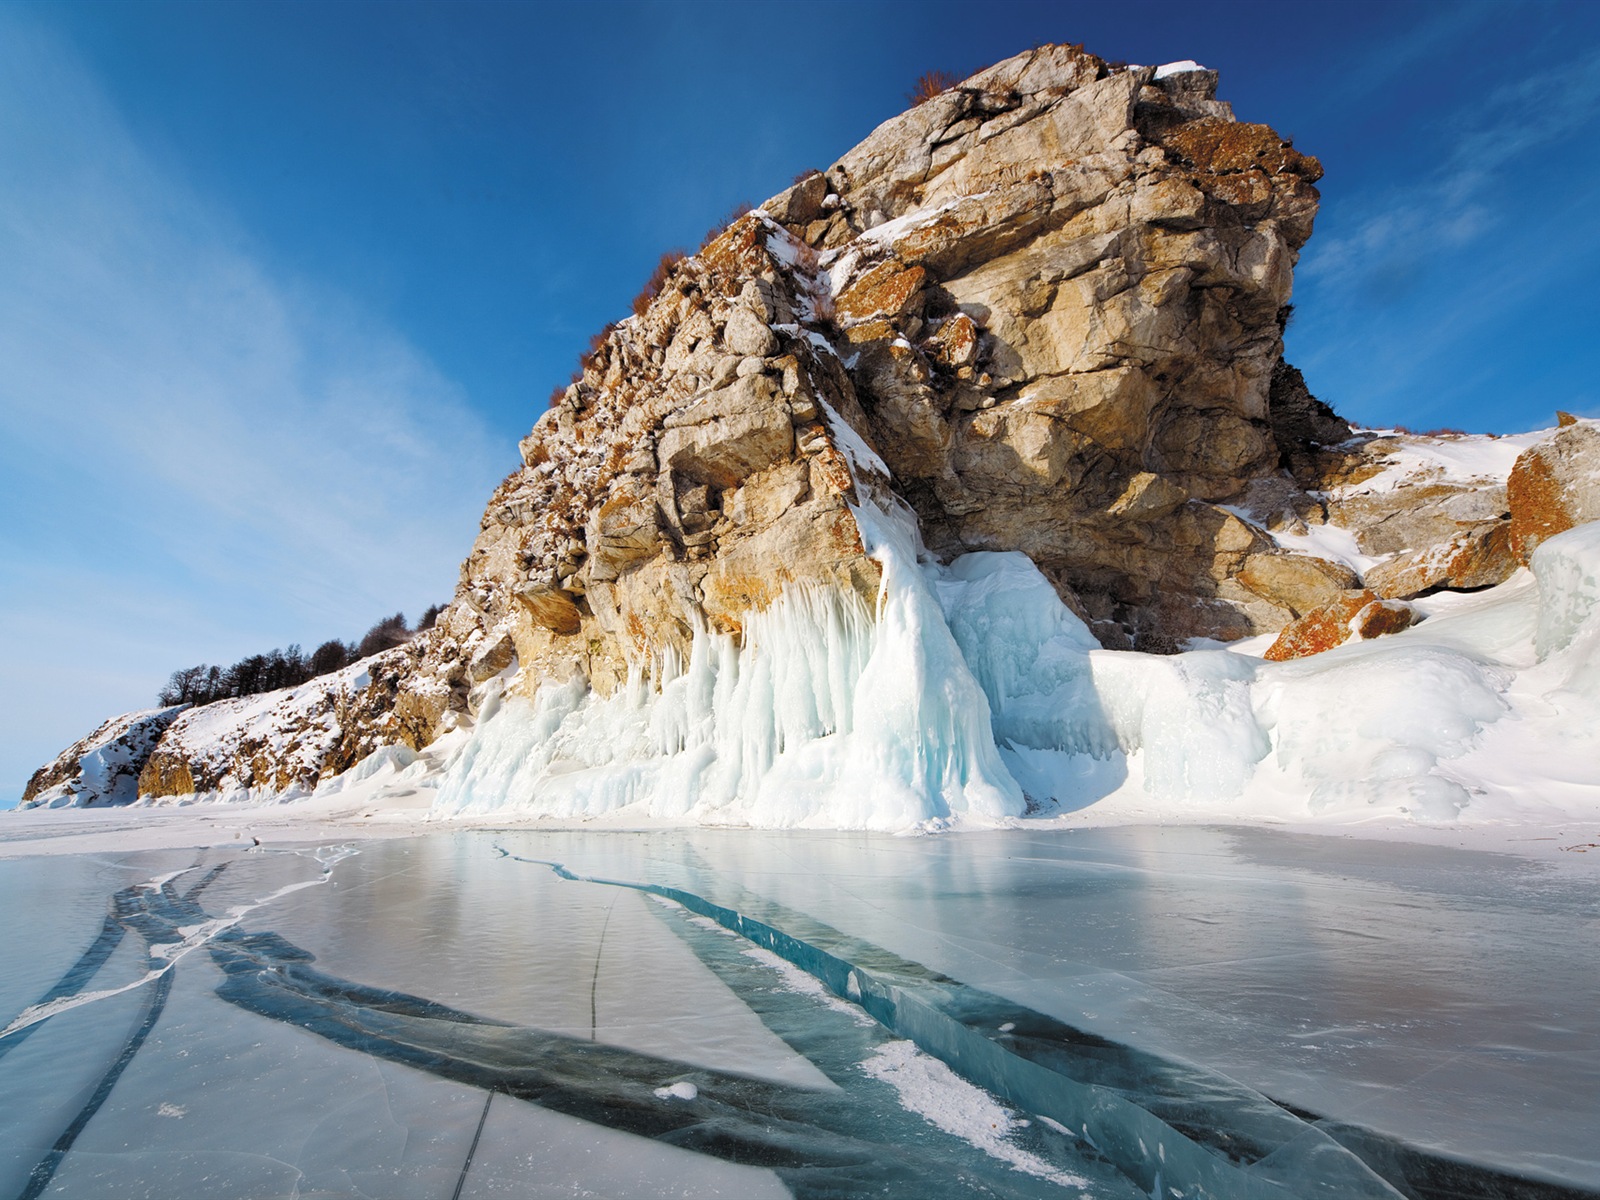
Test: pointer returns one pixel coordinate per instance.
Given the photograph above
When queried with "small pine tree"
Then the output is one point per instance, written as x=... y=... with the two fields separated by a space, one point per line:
x=385 y=635
x=329 y=657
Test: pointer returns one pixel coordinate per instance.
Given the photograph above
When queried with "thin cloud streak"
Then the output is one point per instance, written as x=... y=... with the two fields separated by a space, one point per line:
x=1451 y=209
x=186 y=432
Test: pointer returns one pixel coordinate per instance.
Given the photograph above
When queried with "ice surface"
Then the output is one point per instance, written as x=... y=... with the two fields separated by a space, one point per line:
x=1375 y=985
x=817 y=1014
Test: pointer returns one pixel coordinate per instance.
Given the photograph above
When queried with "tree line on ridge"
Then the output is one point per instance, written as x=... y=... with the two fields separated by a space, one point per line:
x=258 y=673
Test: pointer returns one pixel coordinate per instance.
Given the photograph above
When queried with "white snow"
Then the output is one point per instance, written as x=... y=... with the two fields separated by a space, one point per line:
x=105 y=761
x=1455 y=458
x=972 y=686
x=682 y=1090
x=929 y=1088
x=1332 y=542
x=1178 y=68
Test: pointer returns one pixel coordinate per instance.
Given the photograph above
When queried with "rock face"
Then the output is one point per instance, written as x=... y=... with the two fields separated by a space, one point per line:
x=103 y=768
x=1044 y=308
x=1554 y=486
x=1042 y=311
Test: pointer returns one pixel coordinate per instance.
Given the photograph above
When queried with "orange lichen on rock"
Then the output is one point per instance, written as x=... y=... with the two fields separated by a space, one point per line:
x=888 y=289
x=1538 y=507
x=1219 y=146
x=1361 y=615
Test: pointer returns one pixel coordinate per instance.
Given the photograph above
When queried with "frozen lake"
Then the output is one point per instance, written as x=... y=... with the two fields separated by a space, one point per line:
x=1174 y=1011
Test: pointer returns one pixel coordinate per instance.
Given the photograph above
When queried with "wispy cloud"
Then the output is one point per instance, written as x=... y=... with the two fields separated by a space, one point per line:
x=200 y=453
x=1386 y=234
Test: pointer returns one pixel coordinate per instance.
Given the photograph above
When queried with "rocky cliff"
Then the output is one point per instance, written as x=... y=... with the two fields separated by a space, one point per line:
x=1040 y=312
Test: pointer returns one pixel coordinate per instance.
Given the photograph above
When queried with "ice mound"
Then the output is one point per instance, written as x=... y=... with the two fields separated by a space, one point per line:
x=973 y=690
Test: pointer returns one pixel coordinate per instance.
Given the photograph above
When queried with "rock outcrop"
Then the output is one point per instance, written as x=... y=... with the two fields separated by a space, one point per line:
x=1042 y=311
x=1356 y=616
x=102 y=769
x=284 y=742
x=1554 y=486
x=1043 y=307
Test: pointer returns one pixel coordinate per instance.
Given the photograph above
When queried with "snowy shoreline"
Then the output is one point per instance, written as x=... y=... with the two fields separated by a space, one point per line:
x=384 y=806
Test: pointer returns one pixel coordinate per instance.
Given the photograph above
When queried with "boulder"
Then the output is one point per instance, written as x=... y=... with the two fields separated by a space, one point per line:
x=492 y=656
x=1554 y=486
x=1360 y=615
x=1297 y=582
x=1478 y=558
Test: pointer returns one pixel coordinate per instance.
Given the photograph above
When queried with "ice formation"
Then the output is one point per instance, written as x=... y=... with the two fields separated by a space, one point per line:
x=824 y=715
x=973 y=692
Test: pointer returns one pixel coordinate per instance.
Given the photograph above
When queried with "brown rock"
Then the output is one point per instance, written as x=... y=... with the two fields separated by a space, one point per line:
x=1297 y=582
x=1554 y=486
x=1475 y=559
x=551 y=606
x=1359 y=614
x=801 y=203
x=889 y=289
x=492 y=657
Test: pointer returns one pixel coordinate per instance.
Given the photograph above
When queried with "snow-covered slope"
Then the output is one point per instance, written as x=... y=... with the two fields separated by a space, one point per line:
x=278 y=745
x=103 y=768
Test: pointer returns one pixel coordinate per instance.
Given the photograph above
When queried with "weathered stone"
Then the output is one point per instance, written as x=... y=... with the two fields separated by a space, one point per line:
x=1301 y=424
x=728 y=434
x=493 y=656
x=889 y=289
x=1297 y=582
x=1475 y=559
x=801 y=203
x=1554 y=486
x=748 y=335
x=1359 y=615
x=551 y=606
x=623 y=530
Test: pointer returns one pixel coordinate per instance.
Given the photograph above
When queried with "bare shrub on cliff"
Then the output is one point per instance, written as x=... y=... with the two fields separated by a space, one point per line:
x=732 y=215
x=658 y=278
x=931 y=84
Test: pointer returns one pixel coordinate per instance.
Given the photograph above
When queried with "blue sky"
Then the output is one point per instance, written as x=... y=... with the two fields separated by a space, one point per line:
x=282 y=284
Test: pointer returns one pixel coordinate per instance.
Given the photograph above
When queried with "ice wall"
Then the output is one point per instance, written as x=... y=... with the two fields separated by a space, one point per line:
x=826 y=714
x=972 y=690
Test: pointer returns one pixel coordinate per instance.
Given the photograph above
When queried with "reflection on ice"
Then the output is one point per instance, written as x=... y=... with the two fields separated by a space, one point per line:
x=817 y=1015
